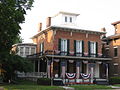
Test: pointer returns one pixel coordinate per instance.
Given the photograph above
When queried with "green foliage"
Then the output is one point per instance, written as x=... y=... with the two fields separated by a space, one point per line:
x=11 y=16
x=44 y=81
x=114 y=80
x=15 y=63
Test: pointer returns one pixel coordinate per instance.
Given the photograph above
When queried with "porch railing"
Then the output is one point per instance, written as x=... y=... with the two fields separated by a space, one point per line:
x=33 y=74
x=62 y=53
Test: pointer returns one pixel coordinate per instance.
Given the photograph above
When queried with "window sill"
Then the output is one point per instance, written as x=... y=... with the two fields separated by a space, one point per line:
x=115 y=57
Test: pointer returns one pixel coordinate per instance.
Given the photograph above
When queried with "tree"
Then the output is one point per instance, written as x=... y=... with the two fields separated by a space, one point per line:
x=11 y=16
x=15 y=63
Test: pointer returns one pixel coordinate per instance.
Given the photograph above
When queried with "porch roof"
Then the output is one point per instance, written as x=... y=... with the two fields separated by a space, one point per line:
x=77 y=57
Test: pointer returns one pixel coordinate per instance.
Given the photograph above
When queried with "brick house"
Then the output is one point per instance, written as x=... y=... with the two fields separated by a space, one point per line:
x=65 y=49
x=112 y=47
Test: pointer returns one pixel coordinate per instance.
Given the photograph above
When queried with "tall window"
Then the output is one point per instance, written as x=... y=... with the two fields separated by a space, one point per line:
x=41 y=47
x=71 y=19
x=79 y=49
x=115 y=51
x=65 y=19
x=27 y=50
x=21 y=51
x=64 y=46
x=32 y=50
x=93 y=49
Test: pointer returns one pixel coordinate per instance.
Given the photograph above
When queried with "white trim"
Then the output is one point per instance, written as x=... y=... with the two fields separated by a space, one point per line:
x=115 y=64
x=115 y=47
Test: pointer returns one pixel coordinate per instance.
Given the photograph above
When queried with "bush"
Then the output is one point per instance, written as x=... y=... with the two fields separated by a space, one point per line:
x=44 y=81
x=114 y=80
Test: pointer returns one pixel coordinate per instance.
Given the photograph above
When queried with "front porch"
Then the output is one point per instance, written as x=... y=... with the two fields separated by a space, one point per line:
x=57 y=66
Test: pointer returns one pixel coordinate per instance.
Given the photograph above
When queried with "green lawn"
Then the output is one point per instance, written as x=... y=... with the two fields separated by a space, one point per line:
x=90 y=87
x=31 y=87
x=28 y=85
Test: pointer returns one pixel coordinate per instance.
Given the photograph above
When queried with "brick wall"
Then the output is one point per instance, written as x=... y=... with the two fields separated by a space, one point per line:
x=47 y=38
x=77 y=36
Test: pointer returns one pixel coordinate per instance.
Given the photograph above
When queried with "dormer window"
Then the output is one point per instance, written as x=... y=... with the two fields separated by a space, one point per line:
x=71 y=19
x=65 y=19
x=68 y=19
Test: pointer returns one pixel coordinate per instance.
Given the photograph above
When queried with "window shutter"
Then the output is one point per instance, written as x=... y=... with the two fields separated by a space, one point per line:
x=82 y=47
x=43 y=47
x=59 y=44
x=96 y=49
x=68 y=46
x=75 y=47
x=40 y=48
x=89 y=48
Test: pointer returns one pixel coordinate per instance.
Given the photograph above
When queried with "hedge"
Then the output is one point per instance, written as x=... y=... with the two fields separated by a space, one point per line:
x=44 y=81
x=114 y=80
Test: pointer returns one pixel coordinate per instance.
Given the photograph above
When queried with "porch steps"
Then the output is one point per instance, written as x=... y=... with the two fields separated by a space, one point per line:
x=101 y=82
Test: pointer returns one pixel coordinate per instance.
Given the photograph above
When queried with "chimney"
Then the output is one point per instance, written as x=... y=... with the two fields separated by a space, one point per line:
x=39 y=27
x=103 y=29
x=48 y=22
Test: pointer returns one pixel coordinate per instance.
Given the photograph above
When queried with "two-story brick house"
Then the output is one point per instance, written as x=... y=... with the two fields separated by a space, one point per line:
x=112 y=48
x=65 y=48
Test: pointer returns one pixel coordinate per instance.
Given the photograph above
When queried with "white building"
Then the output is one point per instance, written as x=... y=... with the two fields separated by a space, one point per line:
x=24 y=49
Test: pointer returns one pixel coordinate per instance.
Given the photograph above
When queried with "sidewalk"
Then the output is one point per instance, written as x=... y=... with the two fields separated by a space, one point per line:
x=115 y=87
x=68 y=88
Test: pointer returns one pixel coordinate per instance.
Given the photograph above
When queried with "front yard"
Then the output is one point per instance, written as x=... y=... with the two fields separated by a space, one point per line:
x=28 y=85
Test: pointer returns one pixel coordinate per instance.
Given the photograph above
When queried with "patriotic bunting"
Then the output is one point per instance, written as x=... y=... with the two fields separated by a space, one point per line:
x=85 y=76
x=71 y=75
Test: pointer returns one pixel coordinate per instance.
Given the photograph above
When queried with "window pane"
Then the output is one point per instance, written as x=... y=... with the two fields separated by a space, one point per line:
x=64 y=45
x=21 y=51
x=41 y=47
x=115 y=52
x=27 y=51
x=65 y=19
x=32 y=50
x=79 y=46
x=70 y=19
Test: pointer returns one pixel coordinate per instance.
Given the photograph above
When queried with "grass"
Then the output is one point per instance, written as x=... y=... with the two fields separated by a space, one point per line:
x=29 y=85
x=90 y=87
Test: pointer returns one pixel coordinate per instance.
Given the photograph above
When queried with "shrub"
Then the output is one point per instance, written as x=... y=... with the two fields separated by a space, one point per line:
x=114 y=80
x=44 y=81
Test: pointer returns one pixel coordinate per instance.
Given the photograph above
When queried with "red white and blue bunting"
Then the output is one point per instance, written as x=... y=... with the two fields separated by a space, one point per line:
x=85 y=76
x=71 y=75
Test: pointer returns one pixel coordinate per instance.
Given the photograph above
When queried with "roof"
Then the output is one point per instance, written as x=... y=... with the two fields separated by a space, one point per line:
x=68 y=13
x=73 y=29
x=112 y=37
x=20 y=44
x=114 y=23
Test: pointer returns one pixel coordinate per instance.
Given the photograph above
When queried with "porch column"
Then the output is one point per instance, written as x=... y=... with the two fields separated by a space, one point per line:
x=38 y=65
x=48 y=68
x=92 y=71
x=106 y=71
x=63 y=64
x=77 y=69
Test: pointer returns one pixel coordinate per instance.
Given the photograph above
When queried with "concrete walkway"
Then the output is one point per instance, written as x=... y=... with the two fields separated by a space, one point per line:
x=115 y=87
x=68 y=88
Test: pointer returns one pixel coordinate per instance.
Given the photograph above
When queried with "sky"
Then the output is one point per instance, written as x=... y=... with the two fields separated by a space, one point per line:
x=94 y=14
